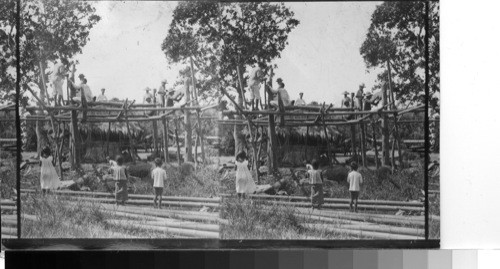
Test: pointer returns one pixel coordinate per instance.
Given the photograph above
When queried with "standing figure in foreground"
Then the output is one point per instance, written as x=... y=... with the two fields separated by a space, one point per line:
x=159 y=176
x=120 y=177
x=355 y=180
x=316 y=181
x=48 y=175
x=244 y=180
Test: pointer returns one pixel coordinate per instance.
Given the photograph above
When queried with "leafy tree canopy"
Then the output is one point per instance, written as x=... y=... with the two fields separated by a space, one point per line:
x=50 y=30
x=397 y=35
x=221 y=36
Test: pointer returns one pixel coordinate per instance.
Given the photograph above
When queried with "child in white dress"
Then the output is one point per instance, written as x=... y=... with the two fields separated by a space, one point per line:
x=48 y=174
x=244 y=180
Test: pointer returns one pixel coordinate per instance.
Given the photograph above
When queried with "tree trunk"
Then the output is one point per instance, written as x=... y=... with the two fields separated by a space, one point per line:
x=385 y=131
x=187 y=125
x=375 y=144
x=362 y=142
x=272 y=142
x=177 y=143
x=155 y=137
x=165 y=140
x=239 y=141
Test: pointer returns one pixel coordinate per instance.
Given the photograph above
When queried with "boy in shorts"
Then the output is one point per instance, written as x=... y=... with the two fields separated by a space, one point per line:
x=354 y=179
x=159 y=176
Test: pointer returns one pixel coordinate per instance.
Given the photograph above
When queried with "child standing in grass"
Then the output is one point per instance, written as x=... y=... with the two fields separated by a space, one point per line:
x=159 y=176
x=120 y=177
x=355 y=180
x=316 y=181
x=244 y=180
x=48 y=174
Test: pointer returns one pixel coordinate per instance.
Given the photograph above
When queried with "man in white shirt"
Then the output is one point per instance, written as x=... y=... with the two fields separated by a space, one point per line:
x=254 y=83
x=300 y=101
x=159 y=177
x=355 y=179
x=57 y=80
x=148 y=97
x=102 y=97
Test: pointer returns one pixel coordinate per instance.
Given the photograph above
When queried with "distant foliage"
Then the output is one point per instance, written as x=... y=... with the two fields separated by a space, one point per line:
x=220 y=36
x=397 y=34
x=49 y=30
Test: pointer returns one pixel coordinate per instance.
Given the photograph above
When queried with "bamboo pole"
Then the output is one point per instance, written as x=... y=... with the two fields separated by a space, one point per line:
x=177 y=143
x=272 y=162
x=165 y=140
x=201 y=137
x=375 y=143
x=131 y=143
x=363 y=141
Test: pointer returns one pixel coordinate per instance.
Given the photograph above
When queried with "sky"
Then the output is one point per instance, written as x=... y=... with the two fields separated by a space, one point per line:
x=322 y=59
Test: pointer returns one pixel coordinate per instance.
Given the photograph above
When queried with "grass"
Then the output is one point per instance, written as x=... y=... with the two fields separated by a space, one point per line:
x=7 y=177
x=57 y=218
x=250 y=219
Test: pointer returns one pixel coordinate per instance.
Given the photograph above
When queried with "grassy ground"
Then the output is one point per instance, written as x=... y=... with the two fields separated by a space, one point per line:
x=7 y=177
x=57 y=218
x=250 y=219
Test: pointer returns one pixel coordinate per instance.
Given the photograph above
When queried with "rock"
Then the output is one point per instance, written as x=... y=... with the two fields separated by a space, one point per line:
x=85 y=188
x=187 y=168
x=66 y=166
x=263 y=169
x=336 y=173
x=282 y=193
x=67 y=184
x=79 y=181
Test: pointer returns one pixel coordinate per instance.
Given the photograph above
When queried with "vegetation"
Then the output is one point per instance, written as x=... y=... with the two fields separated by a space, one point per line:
x=397 y=37
x=250 y=219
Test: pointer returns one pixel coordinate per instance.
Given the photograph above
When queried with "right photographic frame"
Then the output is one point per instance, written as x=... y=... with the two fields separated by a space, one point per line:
x=338 y=137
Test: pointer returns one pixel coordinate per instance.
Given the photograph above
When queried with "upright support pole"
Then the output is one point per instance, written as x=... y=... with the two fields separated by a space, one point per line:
x=107 y=138
x=155 y=137
x=165 y=139
x=385 y=130
x=353 y=131
x=398 y=140
x=177 y=143
x=362 y=140
x=375 y=143
x=130 y=141
x=200 y=136
x=272 y=162
x=193 y=80
x=187 y=123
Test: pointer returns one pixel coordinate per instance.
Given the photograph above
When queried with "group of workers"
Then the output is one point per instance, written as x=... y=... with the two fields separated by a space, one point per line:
x=59 y=74
x=166 y=97
x=359 y=100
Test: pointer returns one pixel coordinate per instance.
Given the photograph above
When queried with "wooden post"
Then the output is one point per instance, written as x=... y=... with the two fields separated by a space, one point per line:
x=307 y=140
x=240 y=82
x=187 y=123
x=193 y=79
x=155 y=137
x=398 y=140
x=353 y=131
x=165 y=139
x=200 y=135
x=362 y=140
x=375 y=143
x=385 y=130
x=271 y=143
x=390 y=85
x=130 y=142
x=107 y=138
x=177 y=142
x=328 y=150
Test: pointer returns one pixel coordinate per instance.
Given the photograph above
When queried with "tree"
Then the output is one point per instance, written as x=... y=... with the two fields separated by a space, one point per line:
x=49 y=30
x=223 y=38
x=8 y=59
x=396 y=37
x=396 y=43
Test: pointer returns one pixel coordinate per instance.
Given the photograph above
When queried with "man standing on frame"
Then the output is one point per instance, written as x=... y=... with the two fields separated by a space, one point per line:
x=257 y=75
